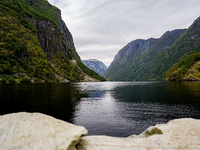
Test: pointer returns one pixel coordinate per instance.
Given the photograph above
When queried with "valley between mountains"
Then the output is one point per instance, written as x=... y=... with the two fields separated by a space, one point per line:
x=36 y=46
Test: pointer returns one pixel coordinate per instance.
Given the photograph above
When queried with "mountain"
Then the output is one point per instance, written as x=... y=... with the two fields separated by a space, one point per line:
x=131 y=60
x=125 y=57
x=186 y=44
x=158 y=59
x=96 y=65
x=187 y=69
x=37 y=45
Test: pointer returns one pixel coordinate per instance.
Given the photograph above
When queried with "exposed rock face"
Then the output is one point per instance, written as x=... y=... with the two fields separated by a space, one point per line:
x=128 y=54
x=167 y=39
x=153 y=64
x=179 y=134
x=41 y=45
x=96 y=65
x=54 y=41
x=137 y=53
x=137 y=47
x=65 y=31
x=50 y=39
x=26 y=131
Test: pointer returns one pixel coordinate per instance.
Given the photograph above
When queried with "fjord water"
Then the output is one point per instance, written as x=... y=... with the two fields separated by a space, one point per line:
x=106 y=108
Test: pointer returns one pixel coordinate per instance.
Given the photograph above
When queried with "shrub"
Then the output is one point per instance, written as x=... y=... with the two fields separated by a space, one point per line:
x=8 y=70
x=184 y=65
x=26 y=79
x=35 y=79
x=11 y=79
x=57 y=80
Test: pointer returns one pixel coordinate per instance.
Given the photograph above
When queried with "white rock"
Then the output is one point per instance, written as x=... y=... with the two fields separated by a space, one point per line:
x=35 y=131
x=179 y=134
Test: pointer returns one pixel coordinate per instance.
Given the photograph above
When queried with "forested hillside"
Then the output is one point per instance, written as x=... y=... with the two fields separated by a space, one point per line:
x=187 y=69
x=37 y=45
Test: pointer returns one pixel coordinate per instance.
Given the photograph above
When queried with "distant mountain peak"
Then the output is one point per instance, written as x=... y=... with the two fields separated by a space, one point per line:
x=95 y=60
x=96 y=65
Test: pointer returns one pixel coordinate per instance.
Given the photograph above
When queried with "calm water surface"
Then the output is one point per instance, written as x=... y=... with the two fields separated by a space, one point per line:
x=106 y=108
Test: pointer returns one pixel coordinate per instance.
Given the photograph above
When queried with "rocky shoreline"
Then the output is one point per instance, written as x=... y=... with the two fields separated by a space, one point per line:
x=28 y=131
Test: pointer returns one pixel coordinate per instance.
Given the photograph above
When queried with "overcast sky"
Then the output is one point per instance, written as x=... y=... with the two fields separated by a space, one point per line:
x=100 y=28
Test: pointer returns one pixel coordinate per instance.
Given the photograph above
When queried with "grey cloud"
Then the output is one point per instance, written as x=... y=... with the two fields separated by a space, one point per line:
x=98 y=25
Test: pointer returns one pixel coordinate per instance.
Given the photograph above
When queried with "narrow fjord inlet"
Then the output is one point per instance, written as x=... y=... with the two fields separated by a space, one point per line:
x=106 y=108
x=128 y=78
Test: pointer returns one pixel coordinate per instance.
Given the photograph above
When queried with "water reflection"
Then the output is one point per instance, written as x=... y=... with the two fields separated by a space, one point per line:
x=57 y=100
x=106 y=108
x=189 y=90
x=125 y=108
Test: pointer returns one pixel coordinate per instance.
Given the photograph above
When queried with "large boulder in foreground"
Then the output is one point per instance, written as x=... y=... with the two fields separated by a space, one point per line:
x=28 y=131
x=35 y=131
x=179 y=134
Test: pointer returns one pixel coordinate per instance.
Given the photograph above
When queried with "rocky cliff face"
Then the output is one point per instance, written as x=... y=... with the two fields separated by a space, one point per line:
x=50 y=39
x=137 y=47
x=131 y=59
x=40 y=45
x=64 y=30
x=96 y=65
x=167 y=39
x=126 y=55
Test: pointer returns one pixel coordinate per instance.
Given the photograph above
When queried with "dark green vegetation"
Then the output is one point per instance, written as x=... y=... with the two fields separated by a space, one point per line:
x=33 y=47
x=153 y=132
x=20 y=51
x=158 y=59
x=187 y=69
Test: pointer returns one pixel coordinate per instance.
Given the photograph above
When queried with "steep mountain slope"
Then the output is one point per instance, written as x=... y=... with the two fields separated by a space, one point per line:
x=187 y=69
x=130 y=59
x=121 y=65
x=187 y=43
x=36 y=44
x=96 y=65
